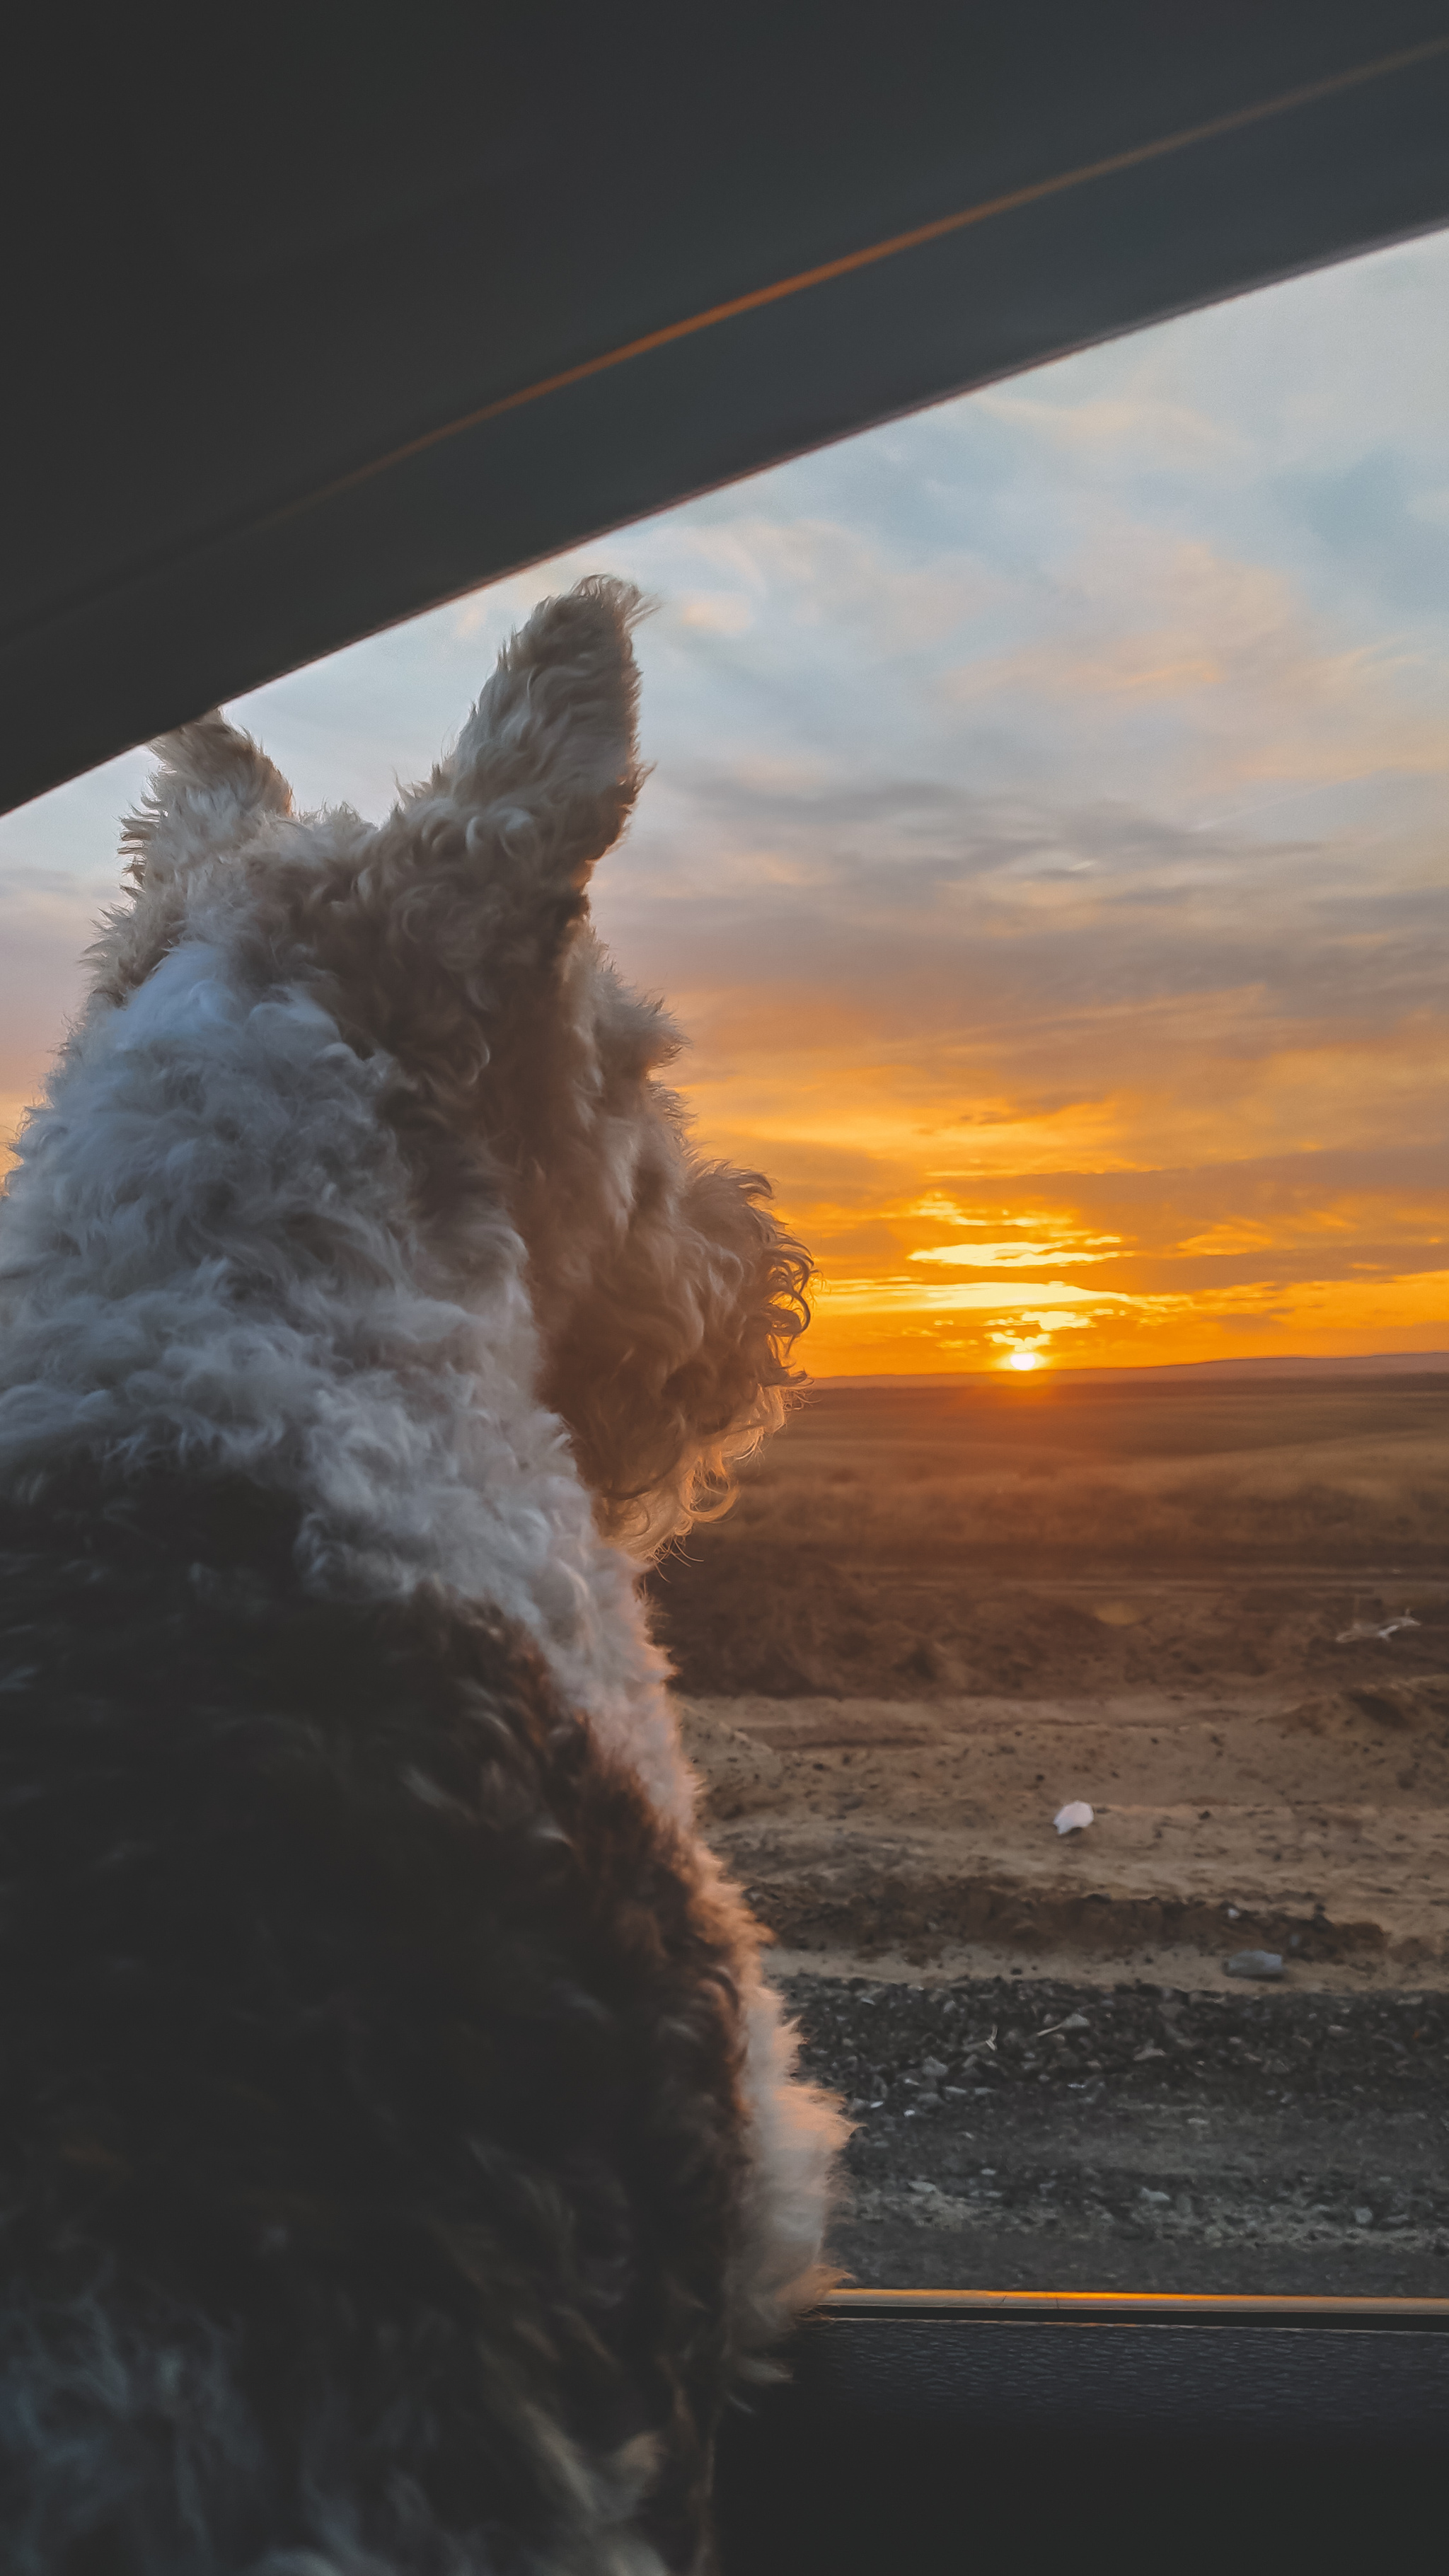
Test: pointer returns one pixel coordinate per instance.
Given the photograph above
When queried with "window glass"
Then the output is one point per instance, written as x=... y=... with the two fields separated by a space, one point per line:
x=1045 y=853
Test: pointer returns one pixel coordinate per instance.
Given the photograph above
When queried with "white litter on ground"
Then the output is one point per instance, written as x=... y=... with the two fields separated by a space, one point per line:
x=1255 y=1963
x=1074 y=1817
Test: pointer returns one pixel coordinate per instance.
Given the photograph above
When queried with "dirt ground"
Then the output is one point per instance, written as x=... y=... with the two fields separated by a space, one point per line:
x=1218 y=1612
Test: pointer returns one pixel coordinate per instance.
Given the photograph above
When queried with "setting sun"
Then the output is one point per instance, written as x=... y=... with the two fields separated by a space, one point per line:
x=1024 y=1360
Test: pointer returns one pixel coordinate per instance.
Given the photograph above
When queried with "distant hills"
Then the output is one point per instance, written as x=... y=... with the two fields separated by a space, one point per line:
x=1360 y=1364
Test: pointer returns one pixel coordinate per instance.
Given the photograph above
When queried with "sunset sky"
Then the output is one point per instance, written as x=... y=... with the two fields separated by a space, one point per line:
x=1046 y=847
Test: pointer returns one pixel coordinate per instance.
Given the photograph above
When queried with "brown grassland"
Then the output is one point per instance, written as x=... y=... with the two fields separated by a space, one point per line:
x=937 y=1613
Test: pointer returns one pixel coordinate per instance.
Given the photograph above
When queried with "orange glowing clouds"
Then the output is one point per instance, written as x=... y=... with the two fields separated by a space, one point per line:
x=1238 y=1210
x=1019 y=1253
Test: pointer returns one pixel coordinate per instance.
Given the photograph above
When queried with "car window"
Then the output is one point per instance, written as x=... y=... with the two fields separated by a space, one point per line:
x=1045 y=855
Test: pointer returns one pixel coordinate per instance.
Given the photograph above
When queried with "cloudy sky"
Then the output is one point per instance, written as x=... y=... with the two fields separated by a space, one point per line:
x=1046 y=847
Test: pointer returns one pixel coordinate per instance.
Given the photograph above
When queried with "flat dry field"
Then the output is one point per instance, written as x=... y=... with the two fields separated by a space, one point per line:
x=1218 y=1611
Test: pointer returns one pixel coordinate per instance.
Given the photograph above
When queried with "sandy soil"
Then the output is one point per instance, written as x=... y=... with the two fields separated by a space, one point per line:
x=1265 y=1744
x=1315 y=1826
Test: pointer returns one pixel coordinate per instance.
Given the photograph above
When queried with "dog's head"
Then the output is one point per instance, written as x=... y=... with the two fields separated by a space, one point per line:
x=666 y=1296
x=456 y=938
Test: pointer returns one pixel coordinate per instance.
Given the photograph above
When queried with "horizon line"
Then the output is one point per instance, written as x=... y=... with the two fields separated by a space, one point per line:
x=1291 y=1364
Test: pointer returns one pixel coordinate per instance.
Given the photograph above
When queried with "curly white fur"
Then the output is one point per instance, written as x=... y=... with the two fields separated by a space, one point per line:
x=209 y=1256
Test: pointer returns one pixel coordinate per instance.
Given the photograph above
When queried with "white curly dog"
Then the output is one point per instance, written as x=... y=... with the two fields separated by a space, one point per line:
x=400 y=2158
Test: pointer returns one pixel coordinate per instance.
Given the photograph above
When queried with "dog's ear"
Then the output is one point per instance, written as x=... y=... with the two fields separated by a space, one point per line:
x=211 y=787
x=444 y=935
x=211 y=780
x=543 y=778
x=550 y=749
x=448 y=926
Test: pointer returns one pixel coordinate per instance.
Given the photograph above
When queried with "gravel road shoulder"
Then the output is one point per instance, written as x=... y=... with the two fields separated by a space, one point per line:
x=1015 y=2135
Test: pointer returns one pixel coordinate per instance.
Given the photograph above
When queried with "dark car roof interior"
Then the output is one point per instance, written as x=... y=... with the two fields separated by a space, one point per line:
x=321 y=315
